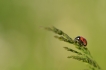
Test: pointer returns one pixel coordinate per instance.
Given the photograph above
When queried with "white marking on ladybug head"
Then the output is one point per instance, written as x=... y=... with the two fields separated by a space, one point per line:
x=78 y=38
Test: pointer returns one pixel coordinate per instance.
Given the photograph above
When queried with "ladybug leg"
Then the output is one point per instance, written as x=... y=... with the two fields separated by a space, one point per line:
x=77 y=42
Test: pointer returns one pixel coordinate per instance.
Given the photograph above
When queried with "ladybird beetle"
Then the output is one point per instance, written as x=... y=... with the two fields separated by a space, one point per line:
x=81 y=41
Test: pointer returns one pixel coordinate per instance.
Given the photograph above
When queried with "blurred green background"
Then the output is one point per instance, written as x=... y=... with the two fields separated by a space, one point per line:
x=24 y=45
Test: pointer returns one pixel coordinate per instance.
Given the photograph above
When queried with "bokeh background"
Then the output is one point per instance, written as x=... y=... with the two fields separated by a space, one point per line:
x=25 y=45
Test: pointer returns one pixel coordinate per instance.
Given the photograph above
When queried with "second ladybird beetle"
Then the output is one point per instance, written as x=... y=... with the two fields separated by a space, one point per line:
x=81 y=41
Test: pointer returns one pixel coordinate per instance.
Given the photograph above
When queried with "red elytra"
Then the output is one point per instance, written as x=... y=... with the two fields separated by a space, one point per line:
x=84 y=41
